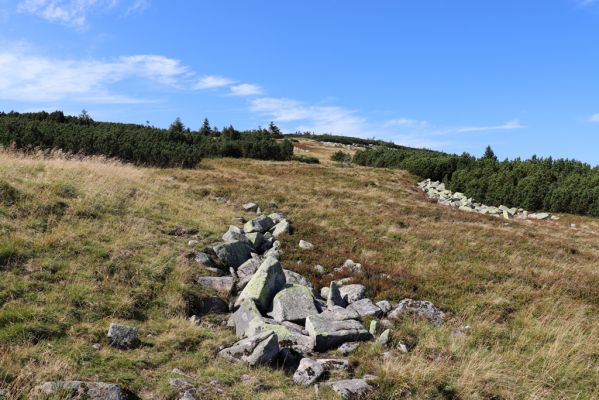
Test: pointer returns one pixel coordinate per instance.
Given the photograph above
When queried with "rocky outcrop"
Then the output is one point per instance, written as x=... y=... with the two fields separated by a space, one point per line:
x=436 y=190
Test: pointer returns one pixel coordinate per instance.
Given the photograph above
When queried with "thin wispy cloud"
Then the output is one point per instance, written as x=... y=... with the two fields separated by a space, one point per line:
x=212 y=82
x=514 y=124
x=246 y=89
x=406 y=122
x=75 y=13
x=594 y=118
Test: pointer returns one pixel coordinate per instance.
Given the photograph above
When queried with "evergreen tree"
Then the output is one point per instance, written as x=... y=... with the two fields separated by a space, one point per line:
x=489 y=154
x=177 y=126
x=206 y=130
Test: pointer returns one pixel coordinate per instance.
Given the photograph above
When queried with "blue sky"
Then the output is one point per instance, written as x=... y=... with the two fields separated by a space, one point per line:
x=522 y=76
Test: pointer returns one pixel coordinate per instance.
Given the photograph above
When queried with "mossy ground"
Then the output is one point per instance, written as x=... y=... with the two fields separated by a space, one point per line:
x=84 y=243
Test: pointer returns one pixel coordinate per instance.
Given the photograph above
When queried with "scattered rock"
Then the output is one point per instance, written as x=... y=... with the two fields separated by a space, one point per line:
x=350 y=388
x=374 y=327
x=97 y=346
x=305 y=245
x=328 y=334
x=277 y=216
x=79 y=389
x=233 y=254
x=222 y=284
x=233 y=234
x=122 y=336
x=281 y=228
x=297 y=279
x=319 y=269
x=308 y=372
x=260 y=224
x=366 y=308
x=402 y=347
x=422 y=308
x=193 y=243
x=260 y=349
x=249 y=207
x=385 y=306
x=334 y=297
x=180 y=384
x=348 y=348
x=293 y=303
x=337 y=313
x=181 y=231
x=350 y=266
x=352 y=293
x=264 y=284
x=385 y=337
x=334 y=363
x=256 y=239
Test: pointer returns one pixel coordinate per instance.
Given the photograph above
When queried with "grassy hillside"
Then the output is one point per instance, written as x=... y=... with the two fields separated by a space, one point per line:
x=84 y=243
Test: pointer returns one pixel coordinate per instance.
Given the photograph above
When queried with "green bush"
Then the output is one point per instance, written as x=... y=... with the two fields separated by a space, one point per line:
x=341 y=156
x=306 y=159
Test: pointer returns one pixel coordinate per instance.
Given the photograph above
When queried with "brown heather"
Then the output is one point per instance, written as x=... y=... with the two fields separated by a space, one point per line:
x=82 y=244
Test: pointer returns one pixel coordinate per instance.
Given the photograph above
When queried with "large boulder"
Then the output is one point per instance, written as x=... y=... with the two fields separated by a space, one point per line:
x=293 y=303
x=308 y=372
x=79 y=390
x=235 y=234
x=352 y=293
x=260 y=224
x=243 y=317
x=328 y=334
x=122 y=336
x=233 y=254
x=350 y=389
x=337 y=313
x=260 y=349
x=297 y=279
x=366 y=308
x=246 y=271
x=256 y=239
x=264 y=284
x=222 y=284
x=421 y=308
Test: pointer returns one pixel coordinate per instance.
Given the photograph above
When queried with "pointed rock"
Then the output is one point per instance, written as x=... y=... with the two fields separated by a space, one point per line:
x=264 y=284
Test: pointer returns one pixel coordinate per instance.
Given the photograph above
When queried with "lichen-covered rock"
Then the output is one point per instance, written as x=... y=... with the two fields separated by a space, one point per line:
x=350 y=389
x=308 y=372
x=348 y=348
x=334 y=363
x=352 y=293
x=337 y=313
x=277 y=216
x=233 y=254
x=260 y=224
x=366 y=308
x=260 y=349
x=122 y=336
x=297 y=279
x=246 y=271
x=264 y=284
x=385 y=306
x=281 y=228
x=328 y=334
x=235 y=234
x=222 y=284
x=422 y=308
x=78 y=390
x=293 y=303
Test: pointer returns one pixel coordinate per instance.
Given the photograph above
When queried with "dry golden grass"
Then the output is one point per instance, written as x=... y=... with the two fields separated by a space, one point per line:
x=529 y=291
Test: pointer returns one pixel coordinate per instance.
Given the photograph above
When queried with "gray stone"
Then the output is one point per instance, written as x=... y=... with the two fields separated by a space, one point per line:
x=304 y=245
x=366 y=308
x=256 y=239
x=337 y=313
x=350 y=389
x=384 y=305
x=385 y=337
x=539 y=216
x=281 y=228
x=319 y=269
x=193 y=243
x=249 y=207
x=242 y=319
x=246 y=271
x=189 y=394
x=334 y=296
x=264 y=284
x=352 y=293
x=328 y=334
x=374 y=327
x=203 y=259
x=233 y=254
x=260 y=224
x=334 y=363
x=122 y=336
x=350 y=266
x=222 y=284
x=348 y=348
x=277 y=216
x=180 y=384
x=79 y=389
x=297 y=279
x=235 y=234
x=308 y=372
x=260 y=349
x=422 y=308
x=293 y=303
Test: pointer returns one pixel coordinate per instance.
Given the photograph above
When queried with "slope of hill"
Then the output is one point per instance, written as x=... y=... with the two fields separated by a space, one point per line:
x=84 y=242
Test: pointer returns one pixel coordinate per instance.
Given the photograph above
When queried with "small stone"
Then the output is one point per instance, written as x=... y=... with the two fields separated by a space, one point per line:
x=352 y=293
x=122 y=336
x=402 y=347
x=334 y=297
x=350 y=389
x=422 y=308
x=305 y=245
x=308 y=372
x=366 y=308
x=374 y=327
x=249 y=207
x=319 y=269
x=385 y=337
x=385 y=306
x=193 y=243
x=334 y=363
x=348 y=348
x=283 y=227
x=97 y=346
x=78 y=390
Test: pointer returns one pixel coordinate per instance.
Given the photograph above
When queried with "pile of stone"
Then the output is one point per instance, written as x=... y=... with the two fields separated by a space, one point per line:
x=436 y=190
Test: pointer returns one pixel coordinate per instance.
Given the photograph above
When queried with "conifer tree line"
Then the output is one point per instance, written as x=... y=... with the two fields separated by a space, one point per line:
x=177 y=146
x=554 y=185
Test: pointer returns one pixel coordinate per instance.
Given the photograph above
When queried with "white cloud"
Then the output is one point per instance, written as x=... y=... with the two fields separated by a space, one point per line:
x=33 y=78
x=594 y=118
x=514 y=124
x=212 y=81
x=406 y=122
x=321 y=119
x=75 y=13
x=246 y=89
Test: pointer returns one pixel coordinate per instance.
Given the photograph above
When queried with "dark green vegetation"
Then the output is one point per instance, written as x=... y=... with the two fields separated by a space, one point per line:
x=561 y=185
x=177 y=146
x=340 y=156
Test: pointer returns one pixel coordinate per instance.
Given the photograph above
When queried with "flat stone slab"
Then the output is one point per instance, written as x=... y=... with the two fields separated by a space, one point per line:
x=366 y=308
x=293 y=303
x=352 y=293
x=329 y=334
